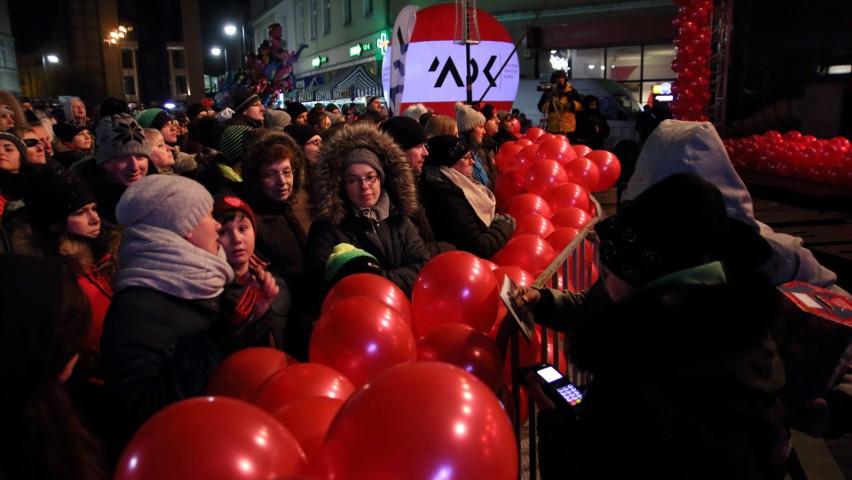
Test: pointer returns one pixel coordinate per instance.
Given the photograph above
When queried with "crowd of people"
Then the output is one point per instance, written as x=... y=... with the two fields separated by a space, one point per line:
x=160 y=242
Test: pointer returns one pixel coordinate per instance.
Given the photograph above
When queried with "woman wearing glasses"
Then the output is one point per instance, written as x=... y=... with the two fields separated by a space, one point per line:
x=272 y=170
x=363 y=193
x=460 y=209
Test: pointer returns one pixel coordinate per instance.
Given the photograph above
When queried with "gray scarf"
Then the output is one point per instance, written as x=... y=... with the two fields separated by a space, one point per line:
x=160 y=259
x=379 y=212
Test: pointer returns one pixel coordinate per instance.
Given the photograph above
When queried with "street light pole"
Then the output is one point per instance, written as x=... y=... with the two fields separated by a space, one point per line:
x=231 y=30
x=216 y=51
x=52 y=59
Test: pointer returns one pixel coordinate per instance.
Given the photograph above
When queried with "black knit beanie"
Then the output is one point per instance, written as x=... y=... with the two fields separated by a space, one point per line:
x=406 y=132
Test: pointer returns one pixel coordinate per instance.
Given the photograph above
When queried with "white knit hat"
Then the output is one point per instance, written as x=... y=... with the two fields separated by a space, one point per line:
x=170 y=202
x=467 y=118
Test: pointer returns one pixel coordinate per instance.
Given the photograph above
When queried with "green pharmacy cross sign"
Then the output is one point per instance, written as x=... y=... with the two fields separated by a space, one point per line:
x=317 y=61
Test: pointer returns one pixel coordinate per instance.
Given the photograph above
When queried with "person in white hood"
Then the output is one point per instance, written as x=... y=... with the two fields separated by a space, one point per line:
x=695 y=147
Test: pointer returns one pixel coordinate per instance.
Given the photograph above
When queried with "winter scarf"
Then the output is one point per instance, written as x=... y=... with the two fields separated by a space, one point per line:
x=477 y=195
x=161 y=260
x=379 y=212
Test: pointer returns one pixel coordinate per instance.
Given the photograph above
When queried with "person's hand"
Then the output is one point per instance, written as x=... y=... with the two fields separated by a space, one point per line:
x=510 y=220
x=526 y=297
x=542 y=401
x=268 y=289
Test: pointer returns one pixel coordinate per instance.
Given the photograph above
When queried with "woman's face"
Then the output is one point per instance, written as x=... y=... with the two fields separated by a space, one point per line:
x=362 y=184
x=325 y=122
x=82 y=141
x=78 y=109
x=477 y=133
x=492 y=125
x=465 y=165
x=127 y=169
x=10 y=157
x=161 y=153
x=312 y=149
x=170 y=132
x=35 y=153
x=276 y=180
x=85 y=221
x=205 y=235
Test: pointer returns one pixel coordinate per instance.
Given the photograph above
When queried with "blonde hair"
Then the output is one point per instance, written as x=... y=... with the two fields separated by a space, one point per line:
x=441 y=125
x=152 y=133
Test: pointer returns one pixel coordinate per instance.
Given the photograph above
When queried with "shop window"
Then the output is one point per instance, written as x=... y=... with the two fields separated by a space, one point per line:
x=588 y=63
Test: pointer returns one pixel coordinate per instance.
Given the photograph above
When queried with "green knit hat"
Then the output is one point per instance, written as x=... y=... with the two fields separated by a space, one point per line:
x=345 y=260
x=232 y=141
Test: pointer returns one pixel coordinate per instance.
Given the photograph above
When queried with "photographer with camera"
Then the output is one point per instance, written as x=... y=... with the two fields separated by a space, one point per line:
x=558 y=104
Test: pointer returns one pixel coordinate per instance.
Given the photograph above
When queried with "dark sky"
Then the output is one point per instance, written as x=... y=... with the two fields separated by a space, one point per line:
x=29 y=19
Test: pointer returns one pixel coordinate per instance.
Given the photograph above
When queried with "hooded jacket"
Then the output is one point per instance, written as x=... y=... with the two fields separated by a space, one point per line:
x=695 y=147
x=395 y=241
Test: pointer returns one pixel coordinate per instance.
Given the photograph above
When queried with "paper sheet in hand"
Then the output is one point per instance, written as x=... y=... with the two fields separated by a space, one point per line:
x=523 y=318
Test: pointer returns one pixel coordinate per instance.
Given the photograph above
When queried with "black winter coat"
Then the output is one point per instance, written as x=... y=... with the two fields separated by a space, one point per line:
x=394 y=242
x=453 y=218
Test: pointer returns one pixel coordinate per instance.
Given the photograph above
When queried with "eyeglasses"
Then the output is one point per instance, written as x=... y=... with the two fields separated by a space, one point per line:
x=369 y=179
x=31 y=142
x=275 y=174
x=468 y=156
x=316 y=142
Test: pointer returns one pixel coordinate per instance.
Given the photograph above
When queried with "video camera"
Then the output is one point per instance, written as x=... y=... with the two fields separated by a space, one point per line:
x=544 y=87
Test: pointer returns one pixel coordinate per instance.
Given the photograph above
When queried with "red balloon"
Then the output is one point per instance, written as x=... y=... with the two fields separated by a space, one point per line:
x=517 y=274
x=556 y=149
x=583 y=172
x=418 y=421
x=534 y=224
x=508 y=401
x=544 y=138
x=561 y=237
x=211 y=437
x=581 y=150
x=530 y=352
x=570 y=217
x=508 y=184
x=373 y=286
x=465 y=347
x=609 y=168
x=454 y=287
x=527 y=203
x=568 y=195
x=301 y=380
x=506 y=154
x=530 y=252
x=244 y=371
x=308 y=419
x=516 y=127
x=533 y=133
x=544 y=175
x=524 y=158
x=359 y=337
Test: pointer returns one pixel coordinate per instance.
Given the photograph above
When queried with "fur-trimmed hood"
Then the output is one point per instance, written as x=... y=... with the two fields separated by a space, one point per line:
x=258 y=140
x=327 y=194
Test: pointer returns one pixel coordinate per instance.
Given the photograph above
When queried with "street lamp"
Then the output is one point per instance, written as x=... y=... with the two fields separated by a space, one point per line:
x=216 y=51
x=231 y=30
x=51 y=58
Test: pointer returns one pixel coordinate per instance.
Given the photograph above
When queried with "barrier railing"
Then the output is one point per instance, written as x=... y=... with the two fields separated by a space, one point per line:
x=572 y=270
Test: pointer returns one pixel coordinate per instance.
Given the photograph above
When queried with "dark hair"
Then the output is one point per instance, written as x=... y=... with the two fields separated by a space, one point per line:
x=275 y=152
x=43 y=436
x=315 y=117
x=558 y=74
x=232 y=215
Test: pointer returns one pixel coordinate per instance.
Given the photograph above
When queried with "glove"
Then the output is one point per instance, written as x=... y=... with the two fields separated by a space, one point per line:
x=509 y=219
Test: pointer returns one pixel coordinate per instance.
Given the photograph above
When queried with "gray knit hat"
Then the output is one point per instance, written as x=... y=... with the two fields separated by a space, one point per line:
x=170 y=202
x=366 y=156
x=276 y=118
x=467 y=118
x=119 y=135
x=17 y=142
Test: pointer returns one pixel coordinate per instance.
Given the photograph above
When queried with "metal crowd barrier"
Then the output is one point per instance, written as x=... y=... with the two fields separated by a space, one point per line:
x=573 y=266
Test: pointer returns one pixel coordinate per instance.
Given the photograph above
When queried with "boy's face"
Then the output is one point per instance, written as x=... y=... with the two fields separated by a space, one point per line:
x=237 y=239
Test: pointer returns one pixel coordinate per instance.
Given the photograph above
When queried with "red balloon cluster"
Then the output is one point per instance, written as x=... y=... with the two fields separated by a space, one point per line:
x=244 y=371
x=454 y=287
x=465 y=347
x=361 y=336
x=794 y=155
x=211 y=437
x=691 y=89
x=421 y=420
